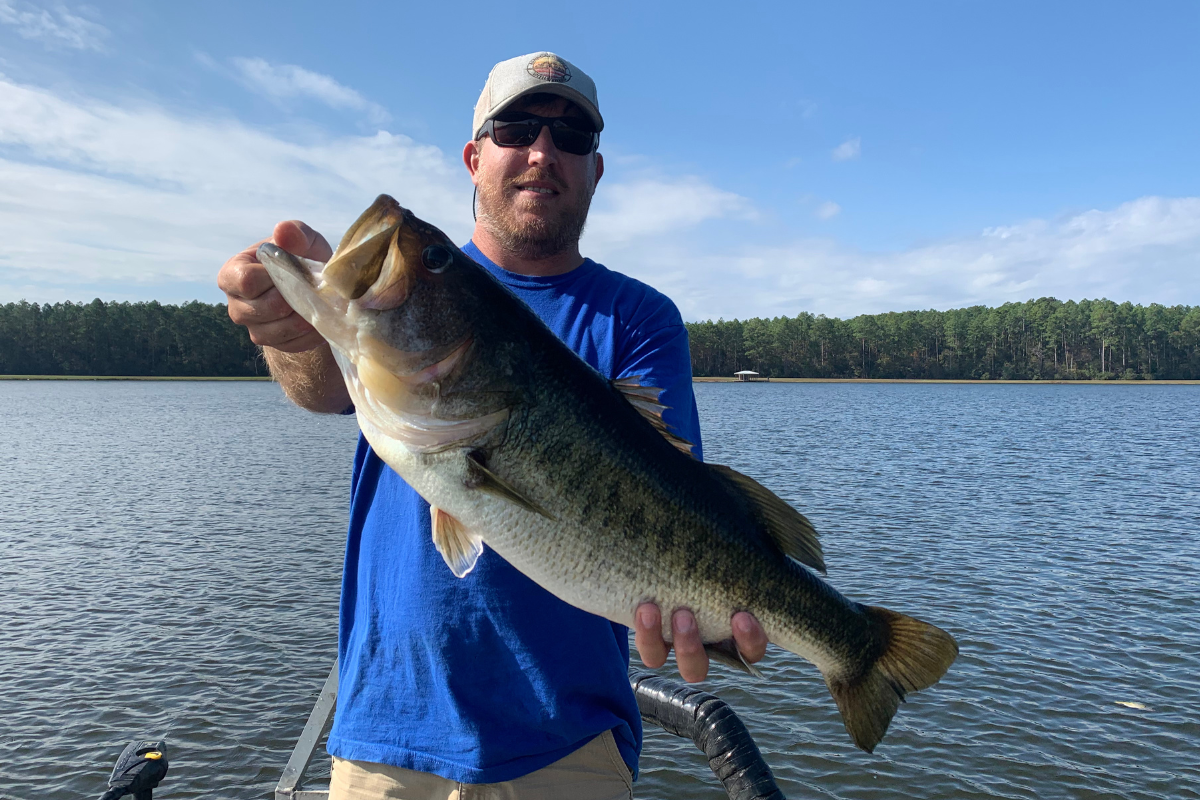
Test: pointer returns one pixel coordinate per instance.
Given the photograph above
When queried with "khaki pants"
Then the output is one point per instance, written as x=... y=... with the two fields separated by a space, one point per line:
x=593 y=772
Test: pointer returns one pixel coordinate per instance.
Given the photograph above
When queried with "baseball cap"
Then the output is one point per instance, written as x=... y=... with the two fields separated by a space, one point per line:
x=534 y=73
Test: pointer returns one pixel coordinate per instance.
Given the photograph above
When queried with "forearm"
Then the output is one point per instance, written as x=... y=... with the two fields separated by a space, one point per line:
x=311 y=379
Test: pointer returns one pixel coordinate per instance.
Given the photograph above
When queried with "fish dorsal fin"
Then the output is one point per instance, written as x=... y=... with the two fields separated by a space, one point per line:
x=458 y=547
x=482 y=478
x=645 y=400
x=786 y=526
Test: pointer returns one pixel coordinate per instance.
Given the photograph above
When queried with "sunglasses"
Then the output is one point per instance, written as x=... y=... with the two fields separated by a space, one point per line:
x=521 y=129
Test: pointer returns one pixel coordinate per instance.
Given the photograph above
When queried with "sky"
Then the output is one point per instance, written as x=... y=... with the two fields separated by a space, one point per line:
x=762 y=159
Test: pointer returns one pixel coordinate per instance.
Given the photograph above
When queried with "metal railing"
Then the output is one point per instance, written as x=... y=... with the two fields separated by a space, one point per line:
x=289 y=786
x=675 y=707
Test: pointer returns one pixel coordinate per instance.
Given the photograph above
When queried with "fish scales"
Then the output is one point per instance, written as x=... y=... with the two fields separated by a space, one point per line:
x=651 y=516
x=518 y=444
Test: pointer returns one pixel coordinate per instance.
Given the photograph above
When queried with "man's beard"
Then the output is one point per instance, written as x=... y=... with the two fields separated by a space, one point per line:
x=538 y=238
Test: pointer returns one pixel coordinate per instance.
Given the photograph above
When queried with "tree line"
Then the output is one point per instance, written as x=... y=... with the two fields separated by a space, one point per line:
x=1039 y=339
x=1036 y=340
x=137 y=339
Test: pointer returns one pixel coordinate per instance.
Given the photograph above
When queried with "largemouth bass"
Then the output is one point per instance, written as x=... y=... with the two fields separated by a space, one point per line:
x=518 y=444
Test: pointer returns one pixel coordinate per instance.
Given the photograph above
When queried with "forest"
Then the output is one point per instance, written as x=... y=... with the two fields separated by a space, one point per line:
x=1036 y=340
x=136 y=339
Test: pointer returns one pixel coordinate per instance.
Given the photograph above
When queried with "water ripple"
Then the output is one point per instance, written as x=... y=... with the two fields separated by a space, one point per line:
x=1051 y=529
x=173 y=554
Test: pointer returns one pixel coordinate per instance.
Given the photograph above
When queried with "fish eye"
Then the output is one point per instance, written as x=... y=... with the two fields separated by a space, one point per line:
x=436 y=258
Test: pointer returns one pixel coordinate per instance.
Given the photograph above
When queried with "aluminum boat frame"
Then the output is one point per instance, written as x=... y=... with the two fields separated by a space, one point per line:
x=675 y=707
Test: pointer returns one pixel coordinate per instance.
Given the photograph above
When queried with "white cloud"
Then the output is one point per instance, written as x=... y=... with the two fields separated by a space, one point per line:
x=828 y=210
x=137 y=202
x=645 y=208
x=108 y=196
x=58 y=29
x=847 y=150
x=129 y=200
x=287 y=81
x=1144 y=251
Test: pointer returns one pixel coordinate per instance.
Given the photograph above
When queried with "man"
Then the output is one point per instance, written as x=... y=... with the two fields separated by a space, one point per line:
x=488 y=686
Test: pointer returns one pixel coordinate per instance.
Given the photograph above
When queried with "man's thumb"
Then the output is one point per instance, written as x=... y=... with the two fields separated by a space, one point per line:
x=301 y=240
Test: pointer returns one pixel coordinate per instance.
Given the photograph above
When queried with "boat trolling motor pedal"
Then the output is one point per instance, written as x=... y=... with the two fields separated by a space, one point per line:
x=139 y=769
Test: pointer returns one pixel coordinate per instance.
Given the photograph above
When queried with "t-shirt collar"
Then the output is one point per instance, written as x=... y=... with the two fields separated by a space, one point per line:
x=527 y=281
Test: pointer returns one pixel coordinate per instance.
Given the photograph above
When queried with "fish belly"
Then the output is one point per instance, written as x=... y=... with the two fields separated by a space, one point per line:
x=592 y=569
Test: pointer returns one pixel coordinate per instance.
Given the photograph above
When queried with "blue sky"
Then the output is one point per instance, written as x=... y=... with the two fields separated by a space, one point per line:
x=763 y=158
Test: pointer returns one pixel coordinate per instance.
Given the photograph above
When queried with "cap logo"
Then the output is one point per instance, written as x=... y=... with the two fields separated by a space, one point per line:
x=549 y=68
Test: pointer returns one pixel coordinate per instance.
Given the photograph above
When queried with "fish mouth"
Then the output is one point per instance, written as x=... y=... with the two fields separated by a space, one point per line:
x=353 y=301
x=271 y=255
x=302 y=284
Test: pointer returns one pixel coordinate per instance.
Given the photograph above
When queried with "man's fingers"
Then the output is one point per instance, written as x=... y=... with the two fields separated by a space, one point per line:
x=751 y=639
x=266 y=307
x=243 y=277
x=647 y=635
x=290 y=334
x=301 y=240
x=301 y=344
x=256 y=303
x=271 y=322
x=689 y=650
x=690 y=656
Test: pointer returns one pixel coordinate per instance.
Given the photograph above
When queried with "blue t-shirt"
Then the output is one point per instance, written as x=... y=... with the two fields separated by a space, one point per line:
x=490 y=677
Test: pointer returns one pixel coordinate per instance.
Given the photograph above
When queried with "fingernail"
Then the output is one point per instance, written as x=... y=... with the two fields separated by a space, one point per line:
x=742 y=624
x=684 y=623
x=645 y=618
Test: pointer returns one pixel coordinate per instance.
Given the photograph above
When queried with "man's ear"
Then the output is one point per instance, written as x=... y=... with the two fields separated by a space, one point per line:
x=599 y=168
x=470 y=157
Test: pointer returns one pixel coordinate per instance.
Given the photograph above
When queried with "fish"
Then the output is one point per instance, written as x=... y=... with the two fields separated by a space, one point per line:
x=521 y=446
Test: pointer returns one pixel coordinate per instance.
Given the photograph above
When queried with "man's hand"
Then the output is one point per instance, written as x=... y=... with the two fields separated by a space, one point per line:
x=689 y=650
x=300 y=360
x=256 y=303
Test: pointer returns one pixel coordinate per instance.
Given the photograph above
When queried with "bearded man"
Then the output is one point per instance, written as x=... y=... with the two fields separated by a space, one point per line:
x=488 y=686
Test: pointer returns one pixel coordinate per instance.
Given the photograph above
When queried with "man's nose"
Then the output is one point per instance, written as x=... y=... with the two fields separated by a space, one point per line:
x=543 y=152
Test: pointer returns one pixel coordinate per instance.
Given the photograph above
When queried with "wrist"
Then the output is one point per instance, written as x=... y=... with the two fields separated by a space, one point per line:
x=311 y=378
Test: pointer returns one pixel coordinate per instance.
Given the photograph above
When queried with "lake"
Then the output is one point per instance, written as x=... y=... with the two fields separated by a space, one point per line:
x=172 y=558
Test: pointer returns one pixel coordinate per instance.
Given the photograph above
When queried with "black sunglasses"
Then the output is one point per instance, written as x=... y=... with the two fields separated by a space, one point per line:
x=521 y=129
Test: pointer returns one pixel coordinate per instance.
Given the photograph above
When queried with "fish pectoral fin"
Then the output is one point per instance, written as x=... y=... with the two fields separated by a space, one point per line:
x=726 y=652
x=915 y=655
x=458 y=547
x=645 y=400
x=482 y=478
x=786 y=526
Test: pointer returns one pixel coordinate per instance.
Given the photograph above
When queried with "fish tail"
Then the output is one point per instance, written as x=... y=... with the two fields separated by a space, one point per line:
x=915 y=655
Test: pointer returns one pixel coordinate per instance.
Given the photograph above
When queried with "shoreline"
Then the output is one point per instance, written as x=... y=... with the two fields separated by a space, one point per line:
x=967 y=381
x=128 y=378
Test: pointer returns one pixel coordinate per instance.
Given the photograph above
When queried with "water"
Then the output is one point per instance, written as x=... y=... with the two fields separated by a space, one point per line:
x=172 y=554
